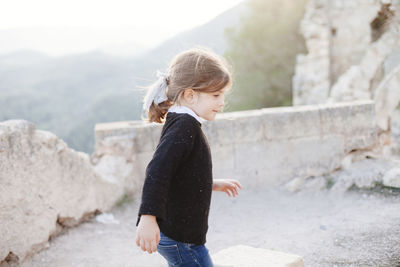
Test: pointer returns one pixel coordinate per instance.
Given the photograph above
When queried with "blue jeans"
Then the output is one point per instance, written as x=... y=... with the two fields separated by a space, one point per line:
x=183 y=254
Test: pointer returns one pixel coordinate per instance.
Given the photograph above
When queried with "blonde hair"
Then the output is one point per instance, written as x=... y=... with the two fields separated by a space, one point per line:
x=199 y=69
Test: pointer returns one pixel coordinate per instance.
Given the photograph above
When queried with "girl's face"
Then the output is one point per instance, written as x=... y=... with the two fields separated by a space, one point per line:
x=206 y=105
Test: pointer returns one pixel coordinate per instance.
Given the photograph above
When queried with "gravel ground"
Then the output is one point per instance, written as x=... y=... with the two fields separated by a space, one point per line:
x=357 y=228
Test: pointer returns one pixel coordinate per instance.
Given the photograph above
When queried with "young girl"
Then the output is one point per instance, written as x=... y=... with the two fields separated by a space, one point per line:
x=173 y=215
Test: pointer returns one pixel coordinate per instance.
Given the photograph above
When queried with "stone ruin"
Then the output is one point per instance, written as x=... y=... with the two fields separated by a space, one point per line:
x=46 y=186
x=319 y=144
x=353 y=54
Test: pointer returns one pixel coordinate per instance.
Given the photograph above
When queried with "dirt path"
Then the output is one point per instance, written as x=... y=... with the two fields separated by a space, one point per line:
x=353 y=229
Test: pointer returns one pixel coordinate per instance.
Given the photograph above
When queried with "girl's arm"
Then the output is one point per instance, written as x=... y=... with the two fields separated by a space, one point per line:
x=229 y=186
x=174 y=147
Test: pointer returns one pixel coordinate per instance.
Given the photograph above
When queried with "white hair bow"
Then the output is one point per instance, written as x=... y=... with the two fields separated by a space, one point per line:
x=157 y=92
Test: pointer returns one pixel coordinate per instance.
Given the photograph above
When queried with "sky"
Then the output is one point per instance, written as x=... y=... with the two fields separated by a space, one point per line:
x=59 y=27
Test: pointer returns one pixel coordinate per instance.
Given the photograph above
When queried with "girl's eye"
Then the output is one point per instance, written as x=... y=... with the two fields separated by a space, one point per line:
x=216 y=95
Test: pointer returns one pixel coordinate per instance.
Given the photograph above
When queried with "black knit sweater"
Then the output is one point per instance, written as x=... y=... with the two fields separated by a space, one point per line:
x=178 y=185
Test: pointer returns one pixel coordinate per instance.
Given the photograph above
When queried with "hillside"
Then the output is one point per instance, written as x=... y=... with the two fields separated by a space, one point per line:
x=68 y=95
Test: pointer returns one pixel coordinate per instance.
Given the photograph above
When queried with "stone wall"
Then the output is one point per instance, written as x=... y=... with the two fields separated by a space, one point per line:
x=352 y=45
x=44 y=187
x=261 y=148
x=353 y=54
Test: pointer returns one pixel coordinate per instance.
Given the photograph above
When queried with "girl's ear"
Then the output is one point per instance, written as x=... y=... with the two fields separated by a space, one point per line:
x=189 y=95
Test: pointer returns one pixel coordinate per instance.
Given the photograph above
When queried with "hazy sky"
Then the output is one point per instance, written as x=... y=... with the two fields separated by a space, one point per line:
x=68 y=26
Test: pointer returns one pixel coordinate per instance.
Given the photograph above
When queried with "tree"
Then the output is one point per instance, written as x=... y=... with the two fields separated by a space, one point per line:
x=263 y=52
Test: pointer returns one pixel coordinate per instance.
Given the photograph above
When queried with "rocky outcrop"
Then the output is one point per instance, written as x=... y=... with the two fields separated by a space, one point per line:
x=353 y=54
x=367 y=173
x=311 y=82
x=387 y=98
x=360 y=81
x=44 y=187
x=351 y=46
x=122 y=151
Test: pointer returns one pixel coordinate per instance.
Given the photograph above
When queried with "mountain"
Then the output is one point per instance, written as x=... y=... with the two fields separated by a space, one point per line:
x=68 y=95
x=211 y=34
x=60 y=41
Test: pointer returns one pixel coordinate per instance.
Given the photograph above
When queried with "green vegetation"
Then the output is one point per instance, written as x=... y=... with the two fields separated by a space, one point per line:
x=69 y=95
x=263 y=50
x=329 y=183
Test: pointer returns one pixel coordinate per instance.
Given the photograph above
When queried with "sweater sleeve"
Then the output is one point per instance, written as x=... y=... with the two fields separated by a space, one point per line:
x=175 y=145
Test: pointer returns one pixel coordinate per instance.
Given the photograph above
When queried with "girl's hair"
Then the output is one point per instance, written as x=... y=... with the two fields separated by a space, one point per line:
x=199 y=69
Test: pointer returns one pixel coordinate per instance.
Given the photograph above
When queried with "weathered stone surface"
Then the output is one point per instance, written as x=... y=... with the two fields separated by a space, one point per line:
x=296 y=184
x=365 y=174
x=43 y=185
x=351 y=46
x=395 y=134
x=123 y=150
x=46 y=185
x=355 y=84
x=244 y=256
x=392 y=178
x=387 y=98
x=311 y=81
x=260 y=147
x=353 y=54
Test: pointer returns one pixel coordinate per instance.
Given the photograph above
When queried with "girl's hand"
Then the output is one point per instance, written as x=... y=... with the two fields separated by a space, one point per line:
x=231 y=187
x=148 y=234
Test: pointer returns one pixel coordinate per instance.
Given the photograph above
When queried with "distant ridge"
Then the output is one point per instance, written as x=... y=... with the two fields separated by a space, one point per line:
x=68 y=95
x=210 y=34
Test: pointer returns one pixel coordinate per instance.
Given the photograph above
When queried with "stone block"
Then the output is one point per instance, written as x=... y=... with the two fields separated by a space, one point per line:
x=392 y=178
x=245 y=256
x=223 y=161
x=293 y=122
x=219 y=132
x=264 y=147
x=44 y=183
